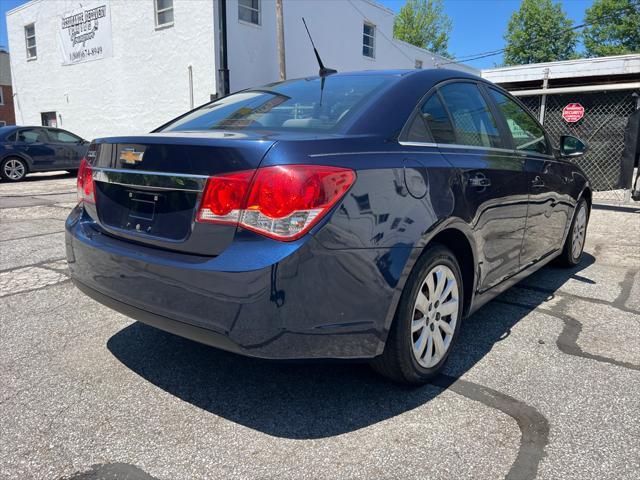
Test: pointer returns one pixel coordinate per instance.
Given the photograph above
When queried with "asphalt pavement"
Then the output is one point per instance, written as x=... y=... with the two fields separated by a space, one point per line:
x=544 y=382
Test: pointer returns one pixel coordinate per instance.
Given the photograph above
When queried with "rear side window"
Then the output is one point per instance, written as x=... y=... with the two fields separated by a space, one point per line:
x=11 y=137
x=32 y=135
x=472 y=119
x=437 y=119
x=526 y=132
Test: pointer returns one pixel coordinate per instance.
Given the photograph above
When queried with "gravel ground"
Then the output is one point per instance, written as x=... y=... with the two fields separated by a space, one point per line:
x=544 y=383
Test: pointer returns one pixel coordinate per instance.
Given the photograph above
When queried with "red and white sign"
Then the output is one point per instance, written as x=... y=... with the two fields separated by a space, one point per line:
x=573 y=112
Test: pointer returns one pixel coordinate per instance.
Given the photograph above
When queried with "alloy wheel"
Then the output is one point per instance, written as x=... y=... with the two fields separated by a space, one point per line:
x=435 y=314
x=14 y=169
x=579 y=232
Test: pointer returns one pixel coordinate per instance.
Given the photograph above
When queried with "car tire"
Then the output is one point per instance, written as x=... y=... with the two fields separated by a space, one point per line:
x=574 y=244
x=412 y=353
x=13 y=169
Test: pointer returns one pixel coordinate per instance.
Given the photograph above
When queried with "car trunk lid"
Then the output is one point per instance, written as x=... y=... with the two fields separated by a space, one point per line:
x=148 y=188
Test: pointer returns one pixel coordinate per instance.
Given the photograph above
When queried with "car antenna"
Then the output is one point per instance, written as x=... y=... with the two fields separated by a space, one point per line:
x=324 y=71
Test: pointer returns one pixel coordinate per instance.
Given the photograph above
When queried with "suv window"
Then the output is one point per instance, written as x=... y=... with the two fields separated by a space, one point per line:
x=473 y=122
x=525 y=130
x=60 y=136
x=32 y=135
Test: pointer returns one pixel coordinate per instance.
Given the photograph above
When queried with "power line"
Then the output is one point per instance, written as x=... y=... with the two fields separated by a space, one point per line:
x=471 y=57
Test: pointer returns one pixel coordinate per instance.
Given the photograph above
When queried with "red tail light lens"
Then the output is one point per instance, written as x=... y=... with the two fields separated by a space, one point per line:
x=85 y=183
x=224 y=197
x=281 y=202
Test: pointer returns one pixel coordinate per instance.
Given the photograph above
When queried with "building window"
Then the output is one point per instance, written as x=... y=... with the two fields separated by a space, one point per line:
x=249 y=11
x=3 y=124
x=164 y=13
x=49 y=119
x=1 y=95
x=369 y=40
x=30 y=40
x=419 y=64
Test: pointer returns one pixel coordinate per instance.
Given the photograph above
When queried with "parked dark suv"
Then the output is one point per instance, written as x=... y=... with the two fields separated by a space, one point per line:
x=353 y=216
x=38 y=149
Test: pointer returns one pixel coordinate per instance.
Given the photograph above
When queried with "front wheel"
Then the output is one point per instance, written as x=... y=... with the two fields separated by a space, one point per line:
x=13 y=169
x=427 y=321
x=574 y=244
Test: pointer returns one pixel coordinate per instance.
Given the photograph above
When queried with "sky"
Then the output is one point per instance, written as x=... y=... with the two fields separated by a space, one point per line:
x=478 y=25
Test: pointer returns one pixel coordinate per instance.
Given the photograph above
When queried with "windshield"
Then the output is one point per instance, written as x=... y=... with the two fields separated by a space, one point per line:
x=306 y=104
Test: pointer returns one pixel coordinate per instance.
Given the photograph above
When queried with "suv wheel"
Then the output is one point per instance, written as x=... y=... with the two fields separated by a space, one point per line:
x=13 y=169
x=427 y=321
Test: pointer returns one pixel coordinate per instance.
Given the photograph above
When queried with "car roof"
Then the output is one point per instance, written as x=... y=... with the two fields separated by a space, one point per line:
x=417 y=72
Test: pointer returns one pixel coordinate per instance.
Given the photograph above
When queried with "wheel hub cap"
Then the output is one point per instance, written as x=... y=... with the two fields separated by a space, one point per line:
x=579 y=232
x=435 y=314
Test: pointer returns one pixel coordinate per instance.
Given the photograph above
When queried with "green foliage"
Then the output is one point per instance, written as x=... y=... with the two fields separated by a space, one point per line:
x=539 y=32
x=424 y=24
x=613 y=28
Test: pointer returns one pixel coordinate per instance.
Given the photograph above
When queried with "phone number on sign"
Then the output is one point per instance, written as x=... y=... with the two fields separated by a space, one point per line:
x=84 y=54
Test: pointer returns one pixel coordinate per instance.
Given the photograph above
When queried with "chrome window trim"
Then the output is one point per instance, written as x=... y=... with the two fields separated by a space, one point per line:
x=418 y=144
x=473 y=147
x=455 y=146
x=151 y=180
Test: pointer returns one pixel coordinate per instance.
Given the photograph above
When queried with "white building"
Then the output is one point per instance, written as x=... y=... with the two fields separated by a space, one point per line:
x=109 y=67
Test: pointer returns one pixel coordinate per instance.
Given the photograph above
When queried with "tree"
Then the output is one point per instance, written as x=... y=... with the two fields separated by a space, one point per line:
x=613 y=28
x=424 y=24
x=539 y=32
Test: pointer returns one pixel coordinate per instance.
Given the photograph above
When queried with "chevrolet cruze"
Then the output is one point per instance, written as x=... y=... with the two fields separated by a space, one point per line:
x=348 y=216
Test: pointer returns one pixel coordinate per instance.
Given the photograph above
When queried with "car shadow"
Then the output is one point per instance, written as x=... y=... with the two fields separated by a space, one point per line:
x=305 y=400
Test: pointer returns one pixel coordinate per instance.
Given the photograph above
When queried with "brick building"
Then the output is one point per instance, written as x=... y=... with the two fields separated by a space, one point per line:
x=7 y=112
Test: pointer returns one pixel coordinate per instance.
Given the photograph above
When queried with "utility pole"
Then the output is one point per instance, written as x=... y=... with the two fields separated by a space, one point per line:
x=280 y=35
x=223 y=70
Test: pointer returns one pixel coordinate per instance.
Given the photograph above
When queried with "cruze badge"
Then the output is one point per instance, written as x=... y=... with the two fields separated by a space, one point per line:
x=130 y=155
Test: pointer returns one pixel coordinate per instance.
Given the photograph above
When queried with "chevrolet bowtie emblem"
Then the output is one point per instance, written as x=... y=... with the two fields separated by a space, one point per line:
x=130 y=155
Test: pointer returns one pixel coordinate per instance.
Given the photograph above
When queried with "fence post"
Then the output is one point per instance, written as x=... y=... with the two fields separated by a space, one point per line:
x=543 y=102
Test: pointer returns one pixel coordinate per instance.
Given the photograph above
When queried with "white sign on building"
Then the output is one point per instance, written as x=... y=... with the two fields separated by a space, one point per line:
x=84 y=34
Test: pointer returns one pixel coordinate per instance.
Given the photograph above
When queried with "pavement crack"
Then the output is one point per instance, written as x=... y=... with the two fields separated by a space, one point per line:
x=32 y=236
x=567 y=341
x=534 y=427
x=618 y=303
x=37 y=264
x=37 y=289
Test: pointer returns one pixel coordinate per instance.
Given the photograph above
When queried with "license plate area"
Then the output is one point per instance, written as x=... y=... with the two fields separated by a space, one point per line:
x=142 y=210
x=162 y=214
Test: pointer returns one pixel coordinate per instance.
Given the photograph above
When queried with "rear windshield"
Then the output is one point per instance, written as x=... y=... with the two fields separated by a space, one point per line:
x=304 y=104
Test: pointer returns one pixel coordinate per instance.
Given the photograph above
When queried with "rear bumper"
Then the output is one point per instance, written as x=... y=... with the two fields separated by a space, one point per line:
x=260 y=298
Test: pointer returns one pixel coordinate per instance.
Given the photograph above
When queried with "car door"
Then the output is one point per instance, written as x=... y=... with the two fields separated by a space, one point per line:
x=550 y=204
x=493 y=177
x=33 y=142
x=67 y=146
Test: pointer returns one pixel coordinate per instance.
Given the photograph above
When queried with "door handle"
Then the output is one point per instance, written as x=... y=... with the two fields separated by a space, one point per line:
x=479 y=181
x=537 y=182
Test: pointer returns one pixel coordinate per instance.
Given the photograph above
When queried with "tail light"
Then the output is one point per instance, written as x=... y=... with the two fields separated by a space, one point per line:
x=281 y=202
x=85 y=183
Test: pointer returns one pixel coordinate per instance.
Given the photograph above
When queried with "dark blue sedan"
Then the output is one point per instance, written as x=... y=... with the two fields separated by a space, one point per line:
x=38 y=149
x=354 y=216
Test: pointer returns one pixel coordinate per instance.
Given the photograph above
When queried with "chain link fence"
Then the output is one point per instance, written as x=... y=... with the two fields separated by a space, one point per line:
x=602 y=128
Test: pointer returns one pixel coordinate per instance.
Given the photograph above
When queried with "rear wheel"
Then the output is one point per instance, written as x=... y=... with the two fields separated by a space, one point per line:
x=427 y=320
x=13 y=169
x=574 y=244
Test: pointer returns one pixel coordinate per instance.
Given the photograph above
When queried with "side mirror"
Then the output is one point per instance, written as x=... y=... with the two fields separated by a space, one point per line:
x=571 y=146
